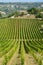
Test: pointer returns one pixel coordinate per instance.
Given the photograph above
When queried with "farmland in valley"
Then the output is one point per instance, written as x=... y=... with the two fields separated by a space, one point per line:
x=21 y=42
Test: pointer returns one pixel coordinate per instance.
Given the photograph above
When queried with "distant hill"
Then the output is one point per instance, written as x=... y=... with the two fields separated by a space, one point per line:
x=8 y=8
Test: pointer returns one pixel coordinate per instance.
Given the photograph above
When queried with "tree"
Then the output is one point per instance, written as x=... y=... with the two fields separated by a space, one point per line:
x=16 y=14
x=33 y=11
x=42 y=16
x=39 y=15
x=22 y=13
x=12 y=14
x=0 y=15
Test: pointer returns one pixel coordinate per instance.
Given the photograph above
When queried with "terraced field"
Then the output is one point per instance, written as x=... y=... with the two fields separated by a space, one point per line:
x=21 y=42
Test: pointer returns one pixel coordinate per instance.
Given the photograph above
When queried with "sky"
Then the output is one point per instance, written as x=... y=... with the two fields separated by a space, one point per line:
x=21 y=0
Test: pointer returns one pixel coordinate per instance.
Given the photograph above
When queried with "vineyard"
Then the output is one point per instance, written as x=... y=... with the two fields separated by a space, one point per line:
x=21 y=42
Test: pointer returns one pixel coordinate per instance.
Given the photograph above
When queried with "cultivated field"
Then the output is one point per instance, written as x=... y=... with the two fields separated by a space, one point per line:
x=21 y=42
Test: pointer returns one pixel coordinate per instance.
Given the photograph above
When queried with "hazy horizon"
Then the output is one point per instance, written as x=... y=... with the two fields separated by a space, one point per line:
x=21 y=1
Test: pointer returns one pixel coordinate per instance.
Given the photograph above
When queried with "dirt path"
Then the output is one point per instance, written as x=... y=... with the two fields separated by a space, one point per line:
x=1 y=60
x=15 y=60
x=29 y=60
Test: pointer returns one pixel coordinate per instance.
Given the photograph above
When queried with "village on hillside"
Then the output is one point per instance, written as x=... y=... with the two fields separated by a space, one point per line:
x=21 y=10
